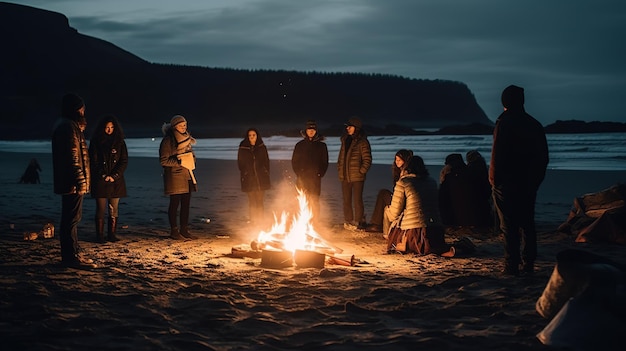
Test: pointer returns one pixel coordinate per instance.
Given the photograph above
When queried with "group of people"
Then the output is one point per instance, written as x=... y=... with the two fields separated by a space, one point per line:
x=412 y=215
x=79 y=170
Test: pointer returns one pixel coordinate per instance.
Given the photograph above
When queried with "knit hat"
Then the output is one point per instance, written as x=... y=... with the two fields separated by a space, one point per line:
x=177 y=119
x=355 y=122
x=311 y=124
x=513 y=97
x=70 y=104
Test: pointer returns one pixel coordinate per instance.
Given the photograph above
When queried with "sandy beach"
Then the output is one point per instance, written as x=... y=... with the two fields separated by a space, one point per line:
x=152 y=293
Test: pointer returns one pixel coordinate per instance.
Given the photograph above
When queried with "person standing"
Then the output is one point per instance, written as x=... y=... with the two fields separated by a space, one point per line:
x=178 y=162
x=354 y=160
x=519 y=158
x=71 y=177
x=310 y=163
x=254 y=168
x=108 y=158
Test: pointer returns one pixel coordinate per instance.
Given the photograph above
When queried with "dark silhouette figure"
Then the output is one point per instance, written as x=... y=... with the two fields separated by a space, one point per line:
x=31 y=174
x=477 y=173
x=454 y=192
x=519 y=158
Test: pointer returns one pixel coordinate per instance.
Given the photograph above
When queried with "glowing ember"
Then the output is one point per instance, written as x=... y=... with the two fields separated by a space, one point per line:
x=296 y=233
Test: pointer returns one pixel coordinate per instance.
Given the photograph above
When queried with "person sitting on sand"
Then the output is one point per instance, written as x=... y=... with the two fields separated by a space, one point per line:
x=383 y=199
x=414 y=210
x=31 y=174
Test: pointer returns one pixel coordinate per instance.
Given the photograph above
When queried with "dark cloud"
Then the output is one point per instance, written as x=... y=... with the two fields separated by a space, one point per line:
x=568 y=55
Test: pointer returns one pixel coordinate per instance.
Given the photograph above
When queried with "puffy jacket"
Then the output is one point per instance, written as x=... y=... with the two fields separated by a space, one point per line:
x=108 y=157
x=175 y=177
x=254 y=166
x=354 y=162
x=417 y=198
x=70 y=158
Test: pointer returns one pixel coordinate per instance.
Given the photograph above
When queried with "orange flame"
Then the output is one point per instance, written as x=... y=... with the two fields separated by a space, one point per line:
x=297 y=233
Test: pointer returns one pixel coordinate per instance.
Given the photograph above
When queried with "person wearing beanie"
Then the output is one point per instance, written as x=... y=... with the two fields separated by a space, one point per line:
x=108 y=156
x=254 y=168
x=353 y=163
x=519 y=159
x=309 y=162
x=378 y=222
x=71 y=177
x=178 y=161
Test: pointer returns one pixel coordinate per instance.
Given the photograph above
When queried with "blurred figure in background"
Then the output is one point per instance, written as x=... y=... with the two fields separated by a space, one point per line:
x=31 y=174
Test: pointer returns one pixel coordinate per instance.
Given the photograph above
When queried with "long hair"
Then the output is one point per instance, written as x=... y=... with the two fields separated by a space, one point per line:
x=99 y=133
x=416 y=166
x=396 y=171
x=246 y=141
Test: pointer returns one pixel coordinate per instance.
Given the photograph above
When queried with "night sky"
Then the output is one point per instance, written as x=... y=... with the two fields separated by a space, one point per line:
x=570 y=56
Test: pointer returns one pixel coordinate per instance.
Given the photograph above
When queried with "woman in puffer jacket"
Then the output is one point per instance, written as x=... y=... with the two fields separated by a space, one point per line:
x=414 y=212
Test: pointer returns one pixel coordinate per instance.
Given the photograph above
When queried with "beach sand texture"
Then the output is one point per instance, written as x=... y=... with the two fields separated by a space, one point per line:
x=153 y=293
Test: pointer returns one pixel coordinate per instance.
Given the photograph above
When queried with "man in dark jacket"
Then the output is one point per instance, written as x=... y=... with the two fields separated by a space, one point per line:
x=70 y=164
x=519 y=158
x=310 y=163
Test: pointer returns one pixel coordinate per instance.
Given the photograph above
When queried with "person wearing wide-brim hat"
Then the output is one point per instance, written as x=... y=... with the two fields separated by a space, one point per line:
x=353 y=163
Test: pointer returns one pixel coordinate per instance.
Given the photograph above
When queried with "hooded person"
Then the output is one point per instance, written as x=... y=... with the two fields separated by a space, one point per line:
x=353 y=163
x=519 y=159
x=309 y=162
x=71 y=177
x=178 y=161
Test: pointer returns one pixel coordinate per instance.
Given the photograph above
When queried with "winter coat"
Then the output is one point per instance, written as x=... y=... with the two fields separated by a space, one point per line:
x=70 y=158
x=310 y=163
x=416 y=199
x=176 y=178
x=254 y=166
x=108 y=157
x=355 y=158
x=519 y=155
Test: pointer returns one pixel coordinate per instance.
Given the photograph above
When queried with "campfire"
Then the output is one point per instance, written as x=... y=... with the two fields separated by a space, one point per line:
x=293 y=239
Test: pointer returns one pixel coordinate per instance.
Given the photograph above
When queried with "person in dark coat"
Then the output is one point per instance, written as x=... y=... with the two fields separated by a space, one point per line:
x=71 y=177
x=519 y=159
x=383 y=199
x=254 y=167
x=454 y=192
x=353 y=163
x=178 y=161
x=108 y=157
x=310 y=163
x=480 y=190
x=31 y=174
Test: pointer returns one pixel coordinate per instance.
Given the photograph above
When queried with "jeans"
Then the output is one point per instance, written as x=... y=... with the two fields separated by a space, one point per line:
x=71 y=214
x=353 y=195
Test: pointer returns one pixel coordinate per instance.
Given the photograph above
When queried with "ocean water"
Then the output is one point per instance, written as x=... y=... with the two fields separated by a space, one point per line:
x=598 y=151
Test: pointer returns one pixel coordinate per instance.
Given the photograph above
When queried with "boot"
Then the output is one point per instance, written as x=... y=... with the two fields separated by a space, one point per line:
x=112 y=229
x=100 y=230
x=175 y=234
x=184 y=231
